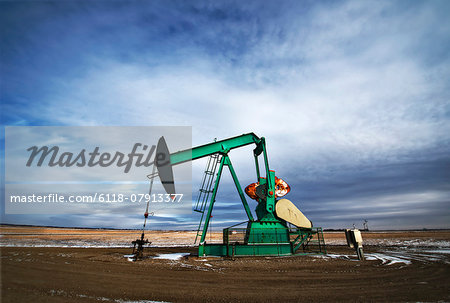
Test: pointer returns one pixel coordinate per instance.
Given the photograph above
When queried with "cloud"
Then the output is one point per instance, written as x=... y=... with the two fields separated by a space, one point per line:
x=351 y=96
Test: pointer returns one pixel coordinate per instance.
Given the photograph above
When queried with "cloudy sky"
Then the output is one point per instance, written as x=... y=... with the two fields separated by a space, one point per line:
x=353 y=97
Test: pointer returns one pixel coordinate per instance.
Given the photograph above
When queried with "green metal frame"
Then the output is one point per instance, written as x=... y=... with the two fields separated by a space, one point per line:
x=268 y=235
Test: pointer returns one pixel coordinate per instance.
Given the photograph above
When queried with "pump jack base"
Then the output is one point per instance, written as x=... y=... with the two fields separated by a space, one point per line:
x=138 y=248
x=266 y=239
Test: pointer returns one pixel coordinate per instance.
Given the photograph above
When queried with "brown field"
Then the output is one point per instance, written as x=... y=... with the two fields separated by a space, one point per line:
x=53 y=265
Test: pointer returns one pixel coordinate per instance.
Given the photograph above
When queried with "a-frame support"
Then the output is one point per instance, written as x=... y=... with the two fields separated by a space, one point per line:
x=225 y=161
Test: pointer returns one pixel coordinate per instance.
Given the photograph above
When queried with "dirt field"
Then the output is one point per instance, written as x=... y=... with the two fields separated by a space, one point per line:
x=401 y=267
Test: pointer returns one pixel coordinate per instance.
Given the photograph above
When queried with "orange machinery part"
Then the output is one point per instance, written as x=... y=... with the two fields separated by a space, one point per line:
x=281 y=189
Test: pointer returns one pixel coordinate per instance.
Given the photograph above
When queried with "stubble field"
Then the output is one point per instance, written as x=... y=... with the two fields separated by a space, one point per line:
x=85 y=265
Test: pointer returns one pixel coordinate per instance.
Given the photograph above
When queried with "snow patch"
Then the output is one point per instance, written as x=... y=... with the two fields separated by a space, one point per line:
x=388 y=260
x=395 y=242
x=84 y=245
x=438 y=251
x=404 y=255
x=63 y=293
x=173 y=257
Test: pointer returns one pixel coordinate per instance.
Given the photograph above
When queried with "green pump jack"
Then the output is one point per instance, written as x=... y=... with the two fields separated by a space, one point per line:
x=279 y=229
